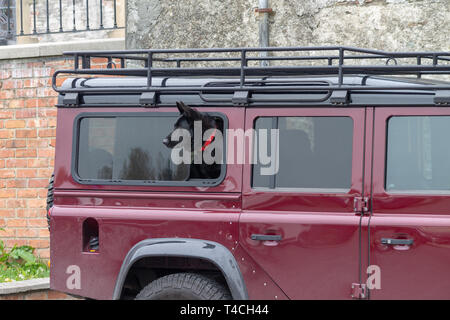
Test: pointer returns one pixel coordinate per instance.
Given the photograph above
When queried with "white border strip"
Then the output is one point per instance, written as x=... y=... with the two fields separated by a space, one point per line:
x=24 y=286
x=35 y=50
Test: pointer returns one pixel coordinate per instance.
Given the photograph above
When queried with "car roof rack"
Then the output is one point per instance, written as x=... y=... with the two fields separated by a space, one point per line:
x=244 y=79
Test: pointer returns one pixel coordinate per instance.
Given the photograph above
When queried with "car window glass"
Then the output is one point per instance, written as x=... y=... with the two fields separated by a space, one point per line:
x=127 y=148
x=314 y=153
x=418 y=153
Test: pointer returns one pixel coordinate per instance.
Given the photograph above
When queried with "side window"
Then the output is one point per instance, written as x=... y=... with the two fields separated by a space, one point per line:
x=418 y=153
x=116 y=149
x=314 y=153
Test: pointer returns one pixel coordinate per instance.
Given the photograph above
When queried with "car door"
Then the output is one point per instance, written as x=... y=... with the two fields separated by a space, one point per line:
x=301 y=223
x=409 y=226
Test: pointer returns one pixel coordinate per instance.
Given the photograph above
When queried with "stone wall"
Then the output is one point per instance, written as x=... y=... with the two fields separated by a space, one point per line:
x=393 y=25
x=39 y=10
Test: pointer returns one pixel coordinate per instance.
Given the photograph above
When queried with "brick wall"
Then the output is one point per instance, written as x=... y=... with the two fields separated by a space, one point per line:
x=27 y=145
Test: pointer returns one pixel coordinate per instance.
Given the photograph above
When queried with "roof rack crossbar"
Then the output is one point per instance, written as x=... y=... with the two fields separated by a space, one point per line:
x=336 y=61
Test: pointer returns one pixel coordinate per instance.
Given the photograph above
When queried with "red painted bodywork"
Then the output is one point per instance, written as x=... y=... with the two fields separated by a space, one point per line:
x=421 y=270
x=323 y=242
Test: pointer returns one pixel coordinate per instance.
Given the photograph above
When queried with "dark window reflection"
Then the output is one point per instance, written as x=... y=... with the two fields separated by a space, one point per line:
x=418 y=153
x=127 y=148
x=314 y=152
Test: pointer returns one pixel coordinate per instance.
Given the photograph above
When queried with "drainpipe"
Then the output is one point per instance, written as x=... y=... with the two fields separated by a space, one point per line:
x=263 y=11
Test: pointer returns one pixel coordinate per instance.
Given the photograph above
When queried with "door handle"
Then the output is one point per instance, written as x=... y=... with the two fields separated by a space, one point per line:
x=266 y=237
x=394 y=242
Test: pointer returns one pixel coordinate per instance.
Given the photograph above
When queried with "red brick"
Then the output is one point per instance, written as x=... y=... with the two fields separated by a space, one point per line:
x=7 y=173
x=47 y=133
x=27 y=213
x=16 y=223
x=37 y=222
x=26 y=93
x=15 y=203
x=16 y=104
x=12 y=242
x=26 y=153
x=37 y=143
x=6 y=114
x=39 y=243
x=16 y=163
x=16 y=143
x=38 y=163
x=25 y=113
x=27 y=193
x=6 y=134
x=26 y=133
x=6 y=94
x=7 y=233
x=38 y=183
x=12 y=124
x=26 y=173
x=47 y=172
x=43 y=253
x=46 y=152
x=12 y=84
x=36 y=203
x=7 y=193
x=16 y=183
x=26 y=233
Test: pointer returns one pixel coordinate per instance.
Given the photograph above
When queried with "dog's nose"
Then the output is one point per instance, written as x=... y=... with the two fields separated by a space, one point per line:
x=165 y=141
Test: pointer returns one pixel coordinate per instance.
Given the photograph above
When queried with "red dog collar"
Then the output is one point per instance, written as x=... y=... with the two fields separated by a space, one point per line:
x=210 y=139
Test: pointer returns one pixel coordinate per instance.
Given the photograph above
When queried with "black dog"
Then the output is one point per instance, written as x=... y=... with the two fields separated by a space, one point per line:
x=186 y=121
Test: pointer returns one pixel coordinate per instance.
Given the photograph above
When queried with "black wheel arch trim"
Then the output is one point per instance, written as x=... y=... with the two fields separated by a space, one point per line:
x=212 y=251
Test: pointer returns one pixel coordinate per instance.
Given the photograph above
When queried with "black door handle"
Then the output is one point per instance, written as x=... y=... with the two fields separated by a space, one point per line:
x=266 y=237
x=390 y=241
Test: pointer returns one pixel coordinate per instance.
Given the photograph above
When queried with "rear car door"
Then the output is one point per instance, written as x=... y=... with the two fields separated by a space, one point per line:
x=410 y=223
x=299 y=224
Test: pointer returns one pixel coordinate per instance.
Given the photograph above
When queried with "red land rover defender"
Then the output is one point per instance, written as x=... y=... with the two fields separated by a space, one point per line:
x=330 y=176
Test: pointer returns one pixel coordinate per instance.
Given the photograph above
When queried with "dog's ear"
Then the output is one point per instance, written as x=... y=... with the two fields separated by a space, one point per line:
x=189 y=112
x=181 y=107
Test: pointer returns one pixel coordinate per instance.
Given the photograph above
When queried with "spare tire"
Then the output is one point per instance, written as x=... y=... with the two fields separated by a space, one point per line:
x=50 y=198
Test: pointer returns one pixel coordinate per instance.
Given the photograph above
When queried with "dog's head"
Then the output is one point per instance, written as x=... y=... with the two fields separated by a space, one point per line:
x=188 y=116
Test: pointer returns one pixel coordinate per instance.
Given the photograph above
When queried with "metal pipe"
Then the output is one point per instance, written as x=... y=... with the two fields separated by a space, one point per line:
x=101 y=14
x=34 y=17
x=60 y=17
x=8 y=15
x=21 y=18
x=115 y=14
x=264 y=30
x=87 y=14
x=48 y=16
x=74 y=14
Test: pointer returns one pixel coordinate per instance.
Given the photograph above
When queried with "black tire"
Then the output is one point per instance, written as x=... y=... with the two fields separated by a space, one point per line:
x=184 y=286
x=50 y=198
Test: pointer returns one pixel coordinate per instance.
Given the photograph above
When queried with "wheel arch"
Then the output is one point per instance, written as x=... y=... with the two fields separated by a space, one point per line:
x=210 y=251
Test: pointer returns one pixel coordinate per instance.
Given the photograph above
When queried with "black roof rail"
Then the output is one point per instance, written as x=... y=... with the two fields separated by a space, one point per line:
x=336 y=61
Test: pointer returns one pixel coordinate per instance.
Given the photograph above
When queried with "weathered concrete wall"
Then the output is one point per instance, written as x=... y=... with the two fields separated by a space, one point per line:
x=378 y=24
x=67 y=15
